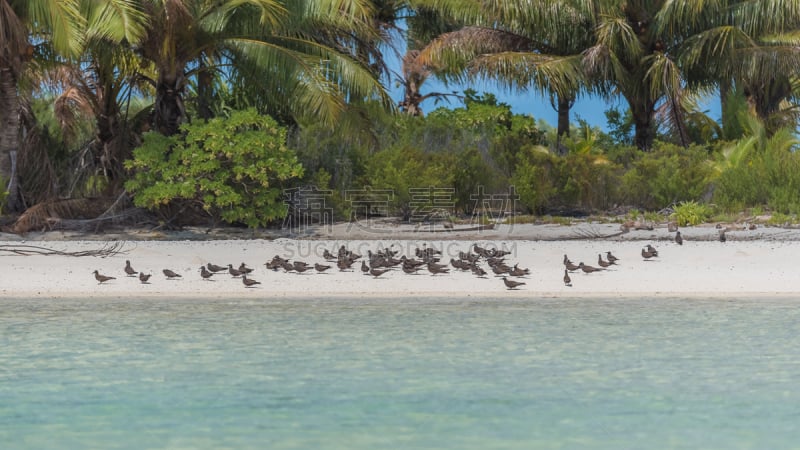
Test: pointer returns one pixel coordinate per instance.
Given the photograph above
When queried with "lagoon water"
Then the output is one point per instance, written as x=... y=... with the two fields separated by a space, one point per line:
x=399 y=374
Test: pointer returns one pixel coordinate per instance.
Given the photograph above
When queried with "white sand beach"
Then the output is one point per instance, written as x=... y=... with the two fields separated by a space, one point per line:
x=748 y=264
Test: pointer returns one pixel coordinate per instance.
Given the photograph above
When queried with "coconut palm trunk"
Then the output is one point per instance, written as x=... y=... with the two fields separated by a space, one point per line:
x=9 y=139
x=169 y=110
x=563 y=107
x=643 y=111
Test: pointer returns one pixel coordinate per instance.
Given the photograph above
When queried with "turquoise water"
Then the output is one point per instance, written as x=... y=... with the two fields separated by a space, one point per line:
x=397 y=374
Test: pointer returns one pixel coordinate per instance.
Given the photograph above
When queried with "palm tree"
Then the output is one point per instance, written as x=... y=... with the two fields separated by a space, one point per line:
x=43 y=29
x=653 y=53
x=763 y=57
x=521 y=43
x=270 y=43
x=422 y=26
x=96 y=84
x=53 y=23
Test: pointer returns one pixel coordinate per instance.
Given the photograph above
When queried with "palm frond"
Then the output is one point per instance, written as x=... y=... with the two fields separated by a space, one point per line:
x=61 y=21
x=715 y=44
x=766 y=16
x=323 y=79
x=544 y=73
x=616 y=34
x=451 y=52
x=115 y=20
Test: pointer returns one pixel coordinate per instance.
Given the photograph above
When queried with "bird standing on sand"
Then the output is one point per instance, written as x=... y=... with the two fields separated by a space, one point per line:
x=588 y=269
x=411 y=270
x=652 y=250
x=378 y=272
x=244 y=269
x=143 y=277
x=321 y=267
x=511 y=284
x=249 y=282
x=678 y=238
x=571 y=267
x=343 y=264
x=205 y=274
x=567 y=280
x=611 y=258
x=215 y=268
x=301 y=268
x=170 y=274
x=129 y=270
x=722 y=237
x=235 y=273
x=646 y=254
x=434 y=268
x=364 y=267
x=480 y=273
x=602 y=263
x=102 y=278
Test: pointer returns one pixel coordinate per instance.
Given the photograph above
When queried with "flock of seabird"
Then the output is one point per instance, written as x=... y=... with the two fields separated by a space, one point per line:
x=476 y=259
x=426 y=259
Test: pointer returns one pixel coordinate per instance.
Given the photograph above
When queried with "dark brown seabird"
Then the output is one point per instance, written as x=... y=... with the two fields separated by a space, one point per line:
x=205 y=274
x=170 y=274
x=129 y=270
x=378 y=272
x=234 y=272
x=511 y=284
x=588 y=269
x=216 y=268
x=102 y=278
x=602 y=263
x=143 y=277
x=248 y=282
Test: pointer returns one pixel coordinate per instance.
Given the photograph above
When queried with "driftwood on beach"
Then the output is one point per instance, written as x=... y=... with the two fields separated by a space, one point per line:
x=108 y=249
x=451 y=230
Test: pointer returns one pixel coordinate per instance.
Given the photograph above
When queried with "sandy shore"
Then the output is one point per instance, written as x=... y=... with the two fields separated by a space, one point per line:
x=749 y=264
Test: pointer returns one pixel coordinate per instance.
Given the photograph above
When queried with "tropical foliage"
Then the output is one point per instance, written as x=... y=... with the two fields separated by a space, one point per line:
x=209 y=109
x=234 y=168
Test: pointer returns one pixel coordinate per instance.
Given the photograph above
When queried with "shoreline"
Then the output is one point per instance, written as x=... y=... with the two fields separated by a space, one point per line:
x=437 y=297
x=698 y=269
x=389 y=231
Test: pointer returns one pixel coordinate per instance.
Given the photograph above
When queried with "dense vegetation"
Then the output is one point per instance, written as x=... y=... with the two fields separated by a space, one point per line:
x=217 y=111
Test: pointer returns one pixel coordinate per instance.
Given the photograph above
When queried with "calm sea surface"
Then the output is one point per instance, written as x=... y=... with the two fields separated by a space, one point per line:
x=399 y=374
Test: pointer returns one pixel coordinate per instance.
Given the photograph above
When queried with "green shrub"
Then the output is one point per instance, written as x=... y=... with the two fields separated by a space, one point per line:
x=779 y=219
x=232 y=168
x=691 y=213
x=533 y=180
x=587 y=180
x=667 y=175
x=401 y=169
x=761 y=170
